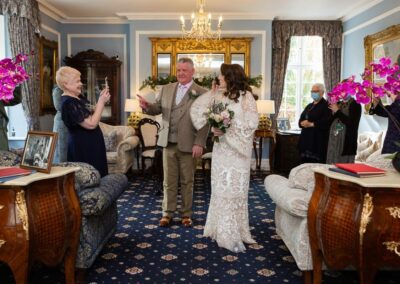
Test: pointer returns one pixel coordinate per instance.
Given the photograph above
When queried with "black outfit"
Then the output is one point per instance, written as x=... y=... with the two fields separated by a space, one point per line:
x=84 y=145
x=313 y=141
x=351 y=121
x=392 y=133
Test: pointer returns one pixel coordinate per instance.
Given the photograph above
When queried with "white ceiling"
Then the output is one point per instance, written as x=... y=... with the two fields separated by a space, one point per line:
x=122 y=10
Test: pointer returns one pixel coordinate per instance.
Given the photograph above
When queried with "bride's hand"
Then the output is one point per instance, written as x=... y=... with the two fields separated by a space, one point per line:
x=216 y=131
x=214 y=87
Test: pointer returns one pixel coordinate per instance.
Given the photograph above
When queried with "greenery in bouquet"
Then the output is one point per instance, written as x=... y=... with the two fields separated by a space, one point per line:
x=12 y=74
x=219 y=116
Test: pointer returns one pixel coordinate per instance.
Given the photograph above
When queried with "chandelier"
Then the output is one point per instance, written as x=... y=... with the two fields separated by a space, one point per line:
x=201 y=25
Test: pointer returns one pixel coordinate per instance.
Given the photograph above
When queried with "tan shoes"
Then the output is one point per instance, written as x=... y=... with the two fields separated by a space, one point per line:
x=164 y=221
x=186 y=221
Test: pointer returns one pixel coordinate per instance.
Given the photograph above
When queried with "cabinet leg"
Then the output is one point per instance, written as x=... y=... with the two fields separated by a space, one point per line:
x=307 y=275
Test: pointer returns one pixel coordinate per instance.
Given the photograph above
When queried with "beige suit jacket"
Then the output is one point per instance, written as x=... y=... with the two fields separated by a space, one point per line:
x=187 y=134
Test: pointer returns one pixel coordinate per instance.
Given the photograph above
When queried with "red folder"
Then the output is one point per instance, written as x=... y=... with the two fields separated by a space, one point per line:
x=360 y=168
x=13 y=171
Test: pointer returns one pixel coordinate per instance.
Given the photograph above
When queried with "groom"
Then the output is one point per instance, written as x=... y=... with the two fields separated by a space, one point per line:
x=181 y=143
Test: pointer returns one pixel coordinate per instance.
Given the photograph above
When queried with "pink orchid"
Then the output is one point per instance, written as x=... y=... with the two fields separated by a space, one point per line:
x=11 y=75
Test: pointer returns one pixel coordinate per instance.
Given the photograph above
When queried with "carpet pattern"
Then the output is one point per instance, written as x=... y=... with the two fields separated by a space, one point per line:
x=142 y=252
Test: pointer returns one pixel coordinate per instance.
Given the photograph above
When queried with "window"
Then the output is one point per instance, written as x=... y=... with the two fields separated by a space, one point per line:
x=304 y=69
x=2 y=38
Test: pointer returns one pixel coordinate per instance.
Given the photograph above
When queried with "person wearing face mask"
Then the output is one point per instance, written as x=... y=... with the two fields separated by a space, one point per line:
x=393 y=112
x=314 y=123
x=342 y=145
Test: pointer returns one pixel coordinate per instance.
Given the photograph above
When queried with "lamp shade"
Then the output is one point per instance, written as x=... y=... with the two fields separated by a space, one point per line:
x=265 y=106
x=132 y=105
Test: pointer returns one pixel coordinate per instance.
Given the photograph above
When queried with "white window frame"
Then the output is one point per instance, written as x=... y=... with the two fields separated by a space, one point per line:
x=298 y=68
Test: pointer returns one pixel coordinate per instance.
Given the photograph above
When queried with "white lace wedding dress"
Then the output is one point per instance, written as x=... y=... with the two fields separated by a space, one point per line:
x=228 y=218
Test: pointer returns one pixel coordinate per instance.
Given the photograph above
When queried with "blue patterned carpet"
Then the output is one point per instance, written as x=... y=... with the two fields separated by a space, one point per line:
x=142 y=252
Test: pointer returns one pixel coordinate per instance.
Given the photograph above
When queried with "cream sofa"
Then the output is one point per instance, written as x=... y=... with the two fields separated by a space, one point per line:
x=121 y=142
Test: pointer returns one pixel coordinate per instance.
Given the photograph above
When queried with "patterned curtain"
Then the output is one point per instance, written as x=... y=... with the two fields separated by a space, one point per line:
x=23 y=27
x=282 y=31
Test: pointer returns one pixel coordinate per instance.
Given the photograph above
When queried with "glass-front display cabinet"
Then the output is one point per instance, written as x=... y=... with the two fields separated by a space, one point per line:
x=96 y=68
x=207 y=55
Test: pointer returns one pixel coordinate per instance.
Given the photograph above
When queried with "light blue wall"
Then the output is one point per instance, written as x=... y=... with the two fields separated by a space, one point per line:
x=375 y=19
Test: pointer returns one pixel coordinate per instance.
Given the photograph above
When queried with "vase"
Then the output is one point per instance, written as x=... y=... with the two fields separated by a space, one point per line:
x=396 y=162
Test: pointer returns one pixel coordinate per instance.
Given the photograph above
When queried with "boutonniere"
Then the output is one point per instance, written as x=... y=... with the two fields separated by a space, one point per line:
x=193 y=94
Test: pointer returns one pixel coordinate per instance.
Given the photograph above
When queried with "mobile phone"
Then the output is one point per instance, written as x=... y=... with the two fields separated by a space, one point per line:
x=216 y=80
x=105 y=83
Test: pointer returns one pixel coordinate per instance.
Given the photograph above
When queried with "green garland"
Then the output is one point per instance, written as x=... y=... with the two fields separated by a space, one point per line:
x=205 y=81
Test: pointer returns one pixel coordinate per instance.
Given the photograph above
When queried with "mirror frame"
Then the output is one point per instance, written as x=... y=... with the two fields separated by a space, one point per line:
x=175 y=46
x=371 y=41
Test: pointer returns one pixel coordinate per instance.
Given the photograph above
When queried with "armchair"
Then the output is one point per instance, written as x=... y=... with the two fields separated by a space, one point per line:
x=292 y=197
x=98 y=201
x=121 y=142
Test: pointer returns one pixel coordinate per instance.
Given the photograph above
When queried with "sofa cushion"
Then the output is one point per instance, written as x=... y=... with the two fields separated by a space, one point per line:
x=302 y=176
x=9 y=159
x=293 y=200
x=110 y=140
x=86 y=177
x=364 y=154
x=94 y=200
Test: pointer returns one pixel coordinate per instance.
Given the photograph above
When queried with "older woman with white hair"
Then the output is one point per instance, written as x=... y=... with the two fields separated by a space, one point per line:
x=314 y=123
x=85 y=139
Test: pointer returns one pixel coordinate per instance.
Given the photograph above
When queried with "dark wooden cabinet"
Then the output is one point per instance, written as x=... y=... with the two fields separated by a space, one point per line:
x=355 y=222
x=286 y=153
x=95 y=67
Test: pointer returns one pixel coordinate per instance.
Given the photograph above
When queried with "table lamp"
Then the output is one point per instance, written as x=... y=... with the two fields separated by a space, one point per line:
x=132 y=106
x=265 y=107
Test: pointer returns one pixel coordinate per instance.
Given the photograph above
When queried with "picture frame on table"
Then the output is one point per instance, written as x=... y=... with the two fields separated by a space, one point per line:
x=39 y=150
x=48 y=64
x=283 y=123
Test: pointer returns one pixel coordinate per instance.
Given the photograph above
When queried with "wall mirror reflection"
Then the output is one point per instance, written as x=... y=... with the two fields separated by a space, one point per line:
x=205 y=64
x=207 y=55
x=385 y=43
x=163 y=65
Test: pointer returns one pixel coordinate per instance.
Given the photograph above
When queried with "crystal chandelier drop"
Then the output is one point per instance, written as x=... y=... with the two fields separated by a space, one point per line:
x=201 y=25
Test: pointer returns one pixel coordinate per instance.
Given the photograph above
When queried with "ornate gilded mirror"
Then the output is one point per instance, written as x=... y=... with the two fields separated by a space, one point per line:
x=385 y=43
x=207 y=55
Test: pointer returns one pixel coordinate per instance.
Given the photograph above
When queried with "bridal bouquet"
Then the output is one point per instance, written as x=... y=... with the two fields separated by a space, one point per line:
x=219 y=116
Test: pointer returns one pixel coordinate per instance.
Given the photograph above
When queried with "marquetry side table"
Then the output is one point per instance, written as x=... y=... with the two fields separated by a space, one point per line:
x=40 y=220
x=355 y=221
x=263 y=133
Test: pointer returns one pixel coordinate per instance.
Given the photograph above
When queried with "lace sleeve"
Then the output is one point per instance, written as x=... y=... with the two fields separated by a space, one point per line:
x=74 y=112
x=240 y=134
x=199 y=108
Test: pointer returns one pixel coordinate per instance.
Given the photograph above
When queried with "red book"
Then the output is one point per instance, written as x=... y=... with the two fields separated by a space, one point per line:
x=13 y=171
x=360 y=168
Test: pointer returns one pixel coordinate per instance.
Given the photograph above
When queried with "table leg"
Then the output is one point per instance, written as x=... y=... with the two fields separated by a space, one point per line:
x=260 y=150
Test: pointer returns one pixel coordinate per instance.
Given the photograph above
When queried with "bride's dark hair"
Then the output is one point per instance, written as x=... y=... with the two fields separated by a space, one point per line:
x=236 y=81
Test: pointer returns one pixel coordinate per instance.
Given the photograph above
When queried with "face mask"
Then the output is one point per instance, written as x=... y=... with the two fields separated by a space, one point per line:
x=315 y=96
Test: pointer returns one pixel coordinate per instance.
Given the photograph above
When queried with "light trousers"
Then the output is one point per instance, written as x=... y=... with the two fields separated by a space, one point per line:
x=177 y=166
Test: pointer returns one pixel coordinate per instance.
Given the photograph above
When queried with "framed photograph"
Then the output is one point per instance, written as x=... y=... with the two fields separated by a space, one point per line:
x=283 y=123
x=48 y=64
x=39 y=151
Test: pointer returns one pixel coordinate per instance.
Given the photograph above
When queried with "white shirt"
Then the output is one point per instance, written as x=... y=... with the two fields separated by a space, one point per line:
x=182 y=89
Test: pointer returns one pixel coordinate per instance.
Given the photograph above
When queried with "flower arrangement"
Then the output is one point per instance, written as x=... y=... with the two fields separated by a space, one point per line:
x=205 y=81
x=194 y=95
x=383 y=70
x=367 y=89
x=12 y=74
x=219 y=116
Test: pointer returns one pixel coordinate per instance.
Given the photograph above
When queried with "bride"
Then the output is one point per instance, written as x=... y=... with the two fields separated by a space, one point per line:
x=227 y=218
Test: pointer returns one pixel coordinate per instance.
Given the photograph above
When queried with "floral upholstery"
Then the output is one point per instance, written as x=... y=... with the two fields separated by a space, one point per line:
x=121 y=159
x=9 y=159
x=97 y=199
x=292 y=209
